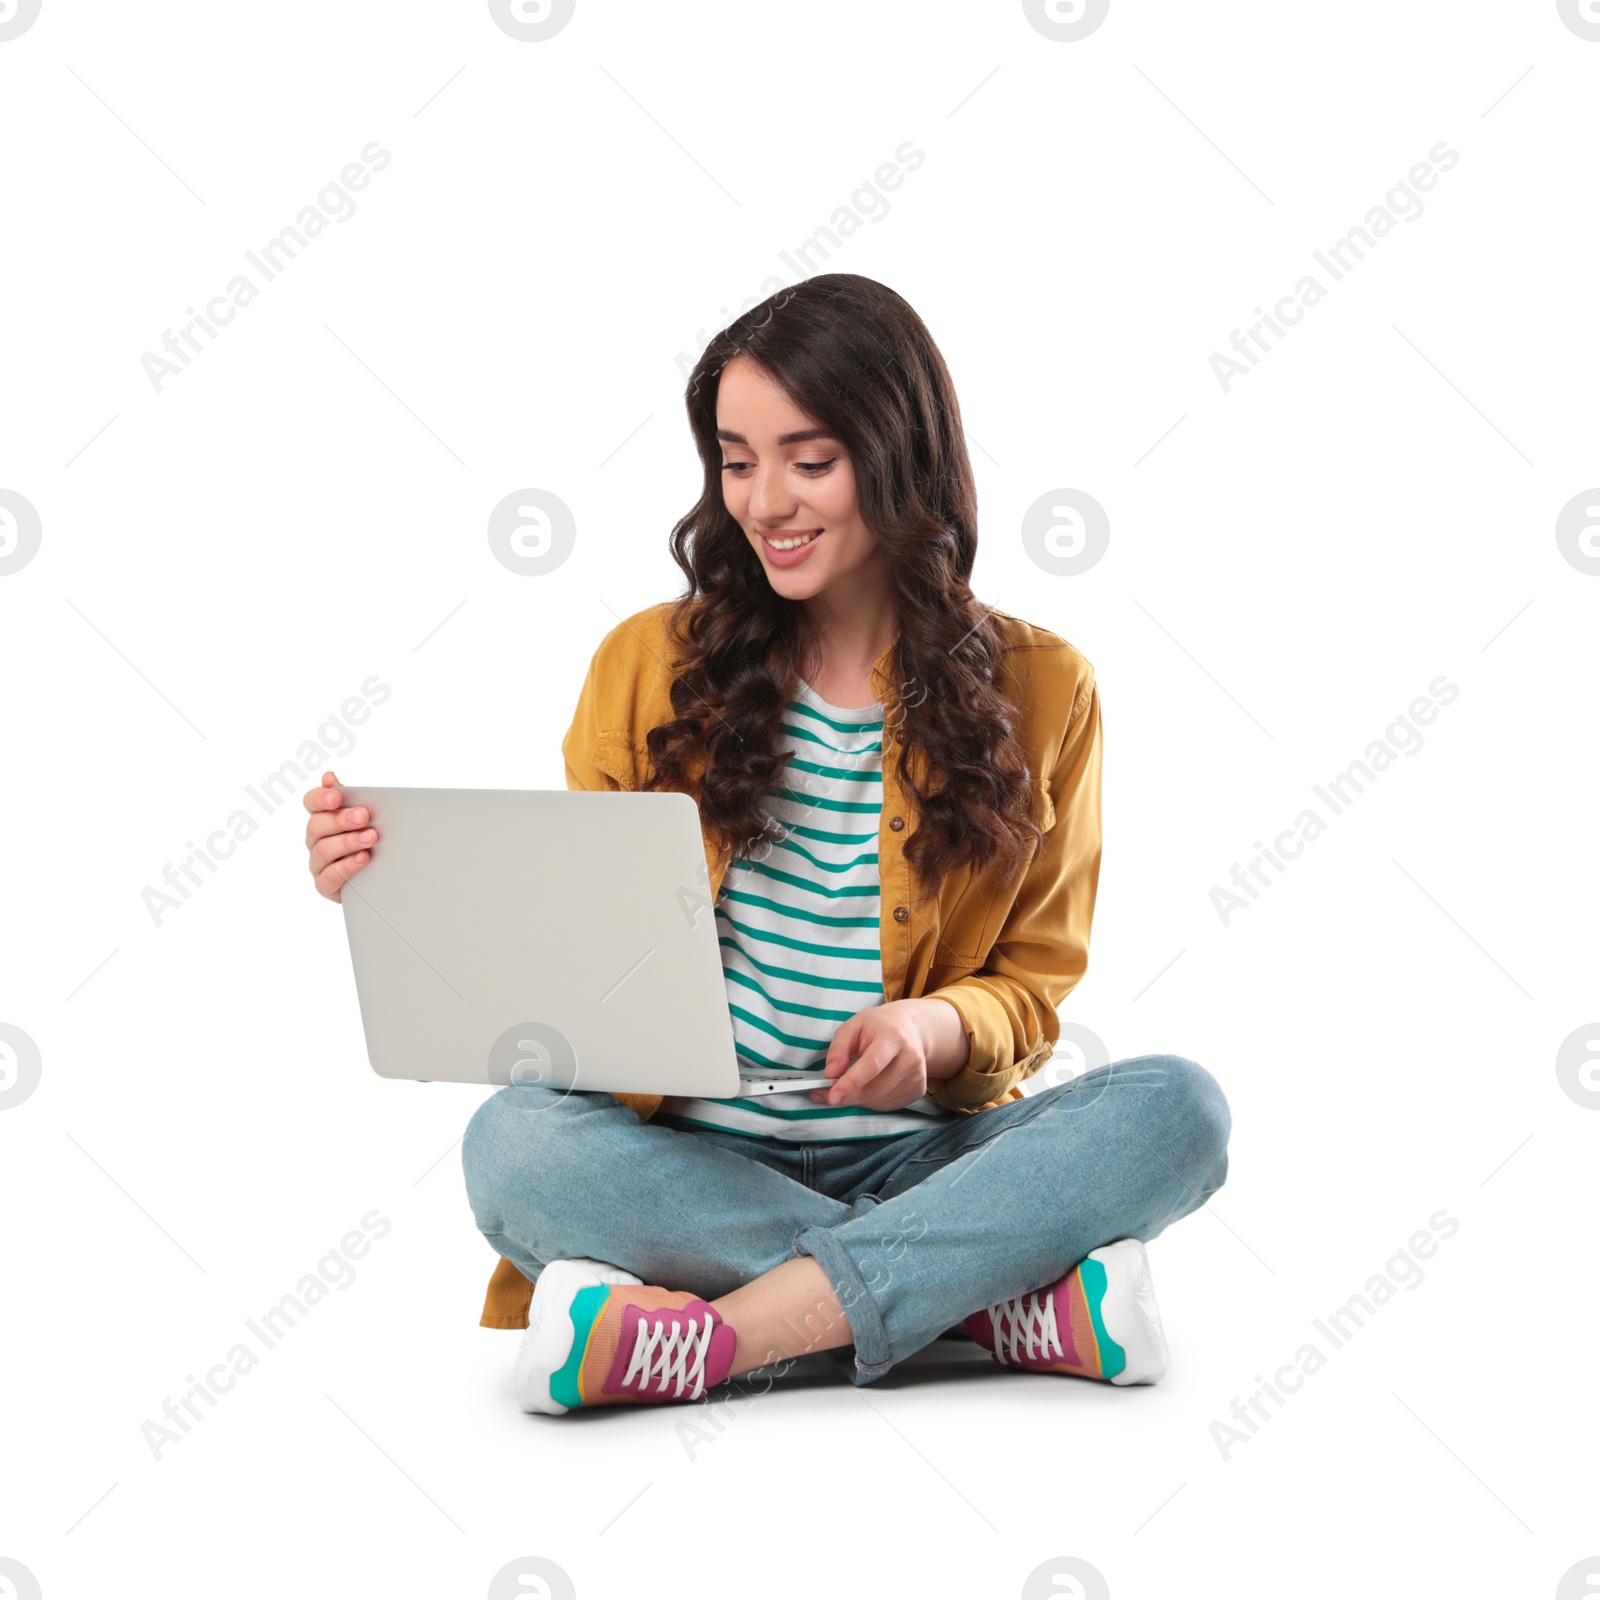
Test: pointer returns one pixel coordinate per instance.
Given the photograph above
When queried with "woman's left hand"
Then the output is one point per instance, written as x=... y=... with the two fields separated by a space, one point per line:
x=880 y=1058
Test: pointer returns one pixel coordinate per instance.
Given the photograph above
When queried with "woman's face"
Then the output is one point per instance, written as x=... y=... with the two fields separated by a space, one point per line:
x=786 y=482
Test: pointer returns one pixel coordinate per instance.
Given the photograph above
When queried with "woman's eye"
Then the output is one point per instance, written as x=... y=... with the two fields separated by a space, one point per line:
x=813 y=468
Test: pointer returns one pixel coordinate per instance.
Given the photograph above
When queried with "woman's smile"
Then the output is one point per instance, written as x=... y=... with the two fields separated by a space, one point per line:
x=788 y=547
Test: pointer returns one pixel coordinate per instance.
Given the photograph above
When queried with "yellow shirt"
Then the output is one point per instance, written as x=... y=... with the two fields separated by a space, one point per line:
x=1003 y=951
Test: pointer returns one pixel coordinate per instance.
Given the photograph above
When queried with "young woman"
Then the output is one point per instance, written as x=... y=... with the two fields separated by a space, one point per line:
x=899 y=789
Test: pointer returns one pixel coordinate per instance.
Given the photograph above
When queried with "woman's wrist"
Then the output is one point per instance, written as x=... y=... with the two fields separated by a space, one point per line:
x=945 y=1045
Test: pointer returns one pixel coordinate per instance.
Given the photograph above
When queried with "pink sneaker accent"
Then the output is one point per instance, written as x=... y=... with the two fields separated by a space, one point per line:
x=1099 y=1321
x=1032 y=1331
x=670 y=1352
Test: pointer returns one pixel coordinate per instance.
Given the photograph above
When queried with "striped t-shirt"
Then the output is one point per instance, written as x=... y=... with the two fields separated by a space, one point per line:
x=798 y=925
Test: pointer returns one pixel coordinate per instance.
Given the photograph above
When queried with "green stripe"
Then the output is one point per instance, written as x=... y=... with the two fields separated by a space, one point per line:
x=834 y=772
x=807 y=980
x=796 y=913
x=805 y=1114
x=783 y=1038
x=811 y=738
x=828 y=866
x=872 y=806
x=676 y=1119
x=824 y=837
x=840 y=952
x=734 y=975
x=838 y=727
x=756 y=1059
x=805 y=883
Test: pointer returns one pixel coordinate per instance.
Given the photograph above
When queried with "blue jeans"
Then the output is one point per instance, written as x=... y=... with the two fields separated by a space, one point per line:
x=915 y=1231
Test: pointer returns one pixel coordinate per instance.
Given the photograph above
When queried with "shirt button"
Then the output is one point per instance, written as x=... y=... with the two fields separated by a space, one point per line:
x=901 y=914
x=896 y=824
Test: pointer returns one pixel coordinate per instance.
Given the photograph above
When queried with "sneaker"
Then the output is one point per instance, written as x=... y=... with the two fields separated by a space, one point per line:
x=598 y=1335
x=1100 y=1321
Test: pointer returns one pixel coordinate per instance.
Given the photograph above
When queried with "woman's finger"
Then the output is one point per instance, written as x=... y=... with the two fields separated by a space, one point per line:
x=849 y=1037
x=325 y=797
x=846 y=1040
x=324 y=824
x=867 y=1066
x=331 y=880
x=336 y=846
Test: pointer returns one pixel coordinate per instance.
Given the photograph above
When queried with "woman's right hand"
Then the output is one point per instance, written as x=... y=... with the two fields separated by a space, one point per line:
x=339 y=841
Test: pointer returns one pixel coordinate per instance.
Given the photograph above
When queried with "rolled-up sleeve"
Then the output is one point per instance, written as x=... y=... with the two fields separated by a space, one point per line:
x=1008 y=1007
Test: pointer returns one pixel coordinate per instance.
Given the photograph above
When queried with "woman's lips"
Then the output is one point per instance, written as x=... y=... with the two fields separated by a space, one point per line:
x=792 y=557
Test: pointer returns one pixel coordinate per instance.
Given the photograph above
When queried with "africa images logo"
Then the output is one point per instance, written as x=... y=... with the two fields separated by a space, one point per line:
x=16 y=17
x=532 y=21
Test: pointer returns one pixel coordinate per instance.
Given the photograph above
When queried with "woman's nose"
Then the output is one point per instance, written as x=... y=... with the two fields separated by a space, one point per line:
x=768 y=496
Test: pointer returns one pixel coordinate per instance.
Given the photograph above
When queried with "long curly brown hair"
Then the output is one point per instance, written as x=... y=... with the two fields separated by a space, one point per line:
x=857 y=360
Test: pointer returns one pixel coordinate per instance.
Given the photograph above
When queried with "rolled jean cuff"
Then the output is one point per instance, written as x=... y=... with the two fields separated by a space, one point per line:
x=861 y=1311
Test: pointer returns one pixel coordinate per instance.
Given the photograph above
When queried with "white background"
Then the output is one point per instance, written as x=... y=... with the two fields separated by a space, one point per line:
x=224 y=562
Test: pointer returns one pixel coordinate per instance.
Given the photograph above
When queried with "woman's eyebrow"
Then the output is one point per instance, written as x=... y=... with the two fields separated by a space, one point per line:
x=799 y=437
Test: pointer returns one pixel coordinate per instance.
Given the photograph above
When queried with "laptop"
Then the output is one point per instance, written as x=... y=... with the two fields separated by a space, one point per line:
x=556 y=937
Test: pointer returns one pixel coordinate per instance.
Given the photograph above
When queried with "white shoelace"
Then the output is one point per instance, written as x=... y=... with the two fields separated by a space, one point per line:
x=670 y=1351
x=1026 y=1324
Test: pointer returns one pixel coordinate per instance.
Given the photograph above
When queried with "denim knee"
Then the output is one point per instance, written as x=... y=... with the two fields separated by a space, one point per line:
x=1195 y=1108
x=513 y=1139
